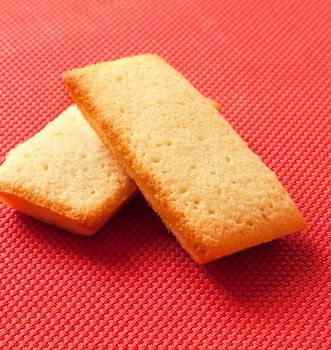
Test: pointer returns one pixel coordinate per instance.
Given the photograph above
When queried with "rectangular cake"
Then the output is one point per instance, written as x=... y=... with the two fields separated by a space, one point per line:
x=211 y=191
x=65 y=175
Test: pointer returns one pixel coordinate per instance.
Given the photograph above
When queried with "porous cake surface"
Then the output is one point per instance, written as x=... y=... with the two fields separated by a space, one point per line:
x=66 y=169
x=208 y=187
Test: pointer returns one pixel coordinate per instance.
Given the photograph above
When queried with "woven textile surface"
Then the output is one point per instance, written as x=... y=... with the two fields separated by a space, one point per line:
x=131 y=286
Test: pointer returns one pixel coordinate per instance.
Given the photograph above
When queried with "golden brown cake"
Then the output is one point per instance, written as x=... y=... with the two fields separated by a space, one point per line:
x=208 y=187
x=64 y=175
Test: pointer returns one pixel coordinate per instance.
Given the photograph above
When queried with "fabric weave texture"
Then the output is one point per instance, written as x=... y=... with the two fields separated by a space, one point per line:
x=131 y=286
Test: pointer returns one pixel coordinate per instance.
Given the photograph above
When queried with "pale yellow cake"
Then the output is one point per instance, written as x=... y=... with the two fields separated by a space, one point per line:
x=209 y=188
x=65 y=176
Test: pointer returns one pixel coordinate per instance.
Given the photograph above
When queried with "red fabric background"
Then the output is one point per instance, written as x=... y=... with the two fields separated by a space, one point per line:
x=131 y=286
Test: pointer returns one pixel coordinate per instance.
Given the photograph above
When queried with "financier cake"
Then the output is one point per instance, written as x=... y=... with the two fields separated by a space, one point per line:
x=64 y=175
x=211 y=191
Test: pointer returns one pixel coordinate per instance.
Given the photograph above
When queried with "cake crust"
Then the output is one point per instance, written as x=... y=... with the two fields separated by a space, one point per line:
x=211 y=191
x=64 y=174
